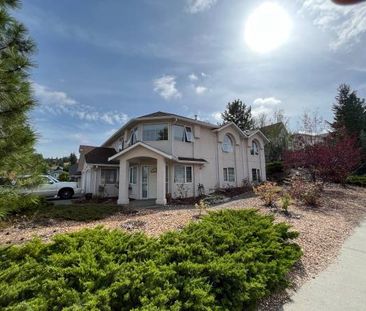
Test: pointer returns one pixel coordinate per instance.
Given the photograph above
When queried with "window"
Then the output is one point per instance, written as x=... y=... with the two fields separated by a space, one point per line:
x=183 y=133
x=108 y=176
x=120 y=145
x=227 y=144
x=229 y=174
x=133 y=175
x=133 y=137
x=254 y=150
x=183 y=174
x=154 y=132
x=256 y=176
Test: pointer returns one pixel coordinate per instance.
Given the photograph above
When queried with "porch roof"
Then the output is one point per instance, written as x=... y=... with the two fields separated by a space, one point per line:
x=100 y=155
x=146 y=146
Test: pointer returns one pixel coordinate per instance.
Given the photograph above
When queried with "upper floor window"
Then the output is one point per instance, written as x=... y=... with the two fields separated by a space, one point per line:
x=227 y=144
x=154 y=132
x=120 y=145
x=133 y=137
x=254 y=150
x=182 y=133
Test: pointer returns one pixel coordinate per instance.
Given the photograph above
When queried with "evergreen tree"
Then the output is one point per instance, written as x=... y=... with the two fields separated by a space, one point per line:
x=73 y=158
x=238 y=113
x=17 y=139
x=349 y=112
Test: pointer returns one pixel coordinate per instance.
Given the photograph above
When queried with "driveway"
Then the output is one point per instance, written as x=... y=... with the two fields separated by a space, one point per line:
x=342 y=286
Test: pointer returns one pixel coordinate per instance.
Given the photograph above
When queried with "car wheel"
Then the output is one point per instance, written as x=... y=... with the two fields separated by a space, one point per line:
x=66 y=194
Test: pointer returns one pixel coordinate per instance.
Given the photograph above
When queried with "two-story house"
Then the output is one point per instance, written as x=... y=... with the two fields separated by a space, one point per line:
x=163 y=153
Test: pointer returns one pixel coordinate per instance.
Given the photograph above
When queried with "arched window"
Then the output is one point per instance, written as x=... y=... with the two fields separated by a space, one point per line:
x=255 y=148
x=227 y=144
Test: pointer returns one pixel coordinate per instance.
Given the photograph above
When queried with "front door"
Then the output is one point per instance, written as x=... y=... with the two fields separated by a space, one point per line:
x=148 y=182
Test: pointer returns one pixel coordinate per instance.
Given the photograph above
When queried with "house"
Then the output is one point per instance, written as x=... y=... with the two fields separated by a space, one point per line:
x=163 y=153
x=56 y=172
x=75 y=174
x=279 y=139
x=300 y=140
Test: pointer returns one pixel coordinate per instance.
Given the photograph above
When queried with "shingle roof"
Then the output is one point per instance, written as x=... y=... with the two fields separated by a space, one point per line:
x=268 y=129
x=191 y=159
x=156 y=114
x=100 y=155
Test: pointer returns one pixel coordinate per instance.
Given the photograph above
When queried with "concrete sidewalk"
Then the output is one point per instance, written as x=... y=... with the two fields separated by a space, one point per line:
x=342 y=286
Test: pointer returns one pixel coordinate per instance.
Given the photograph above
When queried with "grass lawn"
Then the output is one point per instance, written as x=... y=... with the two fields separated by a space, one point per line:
x=77 y=212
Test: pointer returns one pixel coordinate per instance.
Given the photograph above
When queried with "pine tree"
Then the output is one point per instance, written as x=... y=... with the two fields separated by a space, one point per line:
x=349 y=112
x=17 y=139
x=238 y=113
x=73 y=158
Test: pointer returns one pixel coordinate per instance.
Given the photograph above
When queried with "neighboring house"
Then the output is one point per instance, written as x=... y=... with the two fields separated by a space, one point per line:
x=279 y=139
x=300 y=140
x=56 y=172
x=162 y=153
x=75 y=174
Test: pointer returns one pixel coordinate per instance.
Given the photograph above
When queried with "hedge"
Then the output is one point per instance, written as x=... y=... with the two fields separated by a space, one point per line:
x=227 y=261
x=357 y=180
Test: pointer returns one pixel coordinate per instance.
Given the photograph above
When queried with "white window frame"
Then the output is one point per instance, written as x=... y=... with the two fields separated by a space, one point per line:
x=187 y=133
x=257 y=173
x=108 y=183
x=164 y=125
x=228 y=148
x=227 y=175
x=185 y=181
x=255 y=148
x=132 y=178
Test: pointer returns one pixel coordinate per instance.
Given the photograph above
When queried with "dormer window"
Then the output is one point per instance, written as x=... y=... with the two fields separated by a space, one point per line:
x=183 y=133
x=227 y=144
x=254 y=150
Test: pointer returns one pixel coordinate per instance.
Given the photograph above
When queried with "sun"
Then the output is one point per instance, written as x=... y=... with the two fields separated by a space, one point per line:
x=267 y=28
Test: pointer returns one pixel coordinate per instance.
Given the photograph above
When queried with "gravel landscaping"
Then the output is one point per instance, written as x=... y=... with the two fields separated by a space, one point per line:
x=322 y=229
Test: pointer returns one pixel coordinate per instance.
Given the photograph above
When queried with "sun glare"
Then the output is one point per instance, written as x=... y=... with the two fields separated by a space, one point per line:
x=267 y=28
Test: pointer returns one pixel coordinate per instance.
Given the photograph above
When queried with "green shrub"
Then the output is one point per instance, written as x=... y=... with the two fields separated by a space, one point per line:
x=357 y=180
x=12 y=202
x=274 y=167
x=227 y=261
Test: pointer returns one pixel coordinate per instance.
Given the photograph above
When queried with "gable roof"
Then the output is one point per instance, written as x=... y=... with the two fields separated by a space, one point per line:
x=273 y=128
x=100 y=155
x=146 y=146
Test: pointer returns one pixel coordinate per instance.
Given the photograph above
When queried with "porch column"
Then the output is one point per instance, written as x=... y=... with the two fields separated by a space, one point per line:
x=123 y=183
x=160 y=182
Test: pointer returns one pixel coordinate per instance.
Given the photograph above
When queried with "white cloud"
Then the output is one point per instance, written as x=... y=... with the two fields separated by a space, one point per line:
x=264 y=105
x=166 y=87
x=196 y=6
x=58 y=103
x=200 y=89
x=217 y=116
x=203 y=74
x=193 y=77
x=346 y=23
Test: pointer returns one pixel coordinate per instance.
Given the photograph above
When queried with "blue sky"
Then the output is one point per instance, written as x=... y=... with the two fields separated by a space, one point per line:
x=100 y=63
